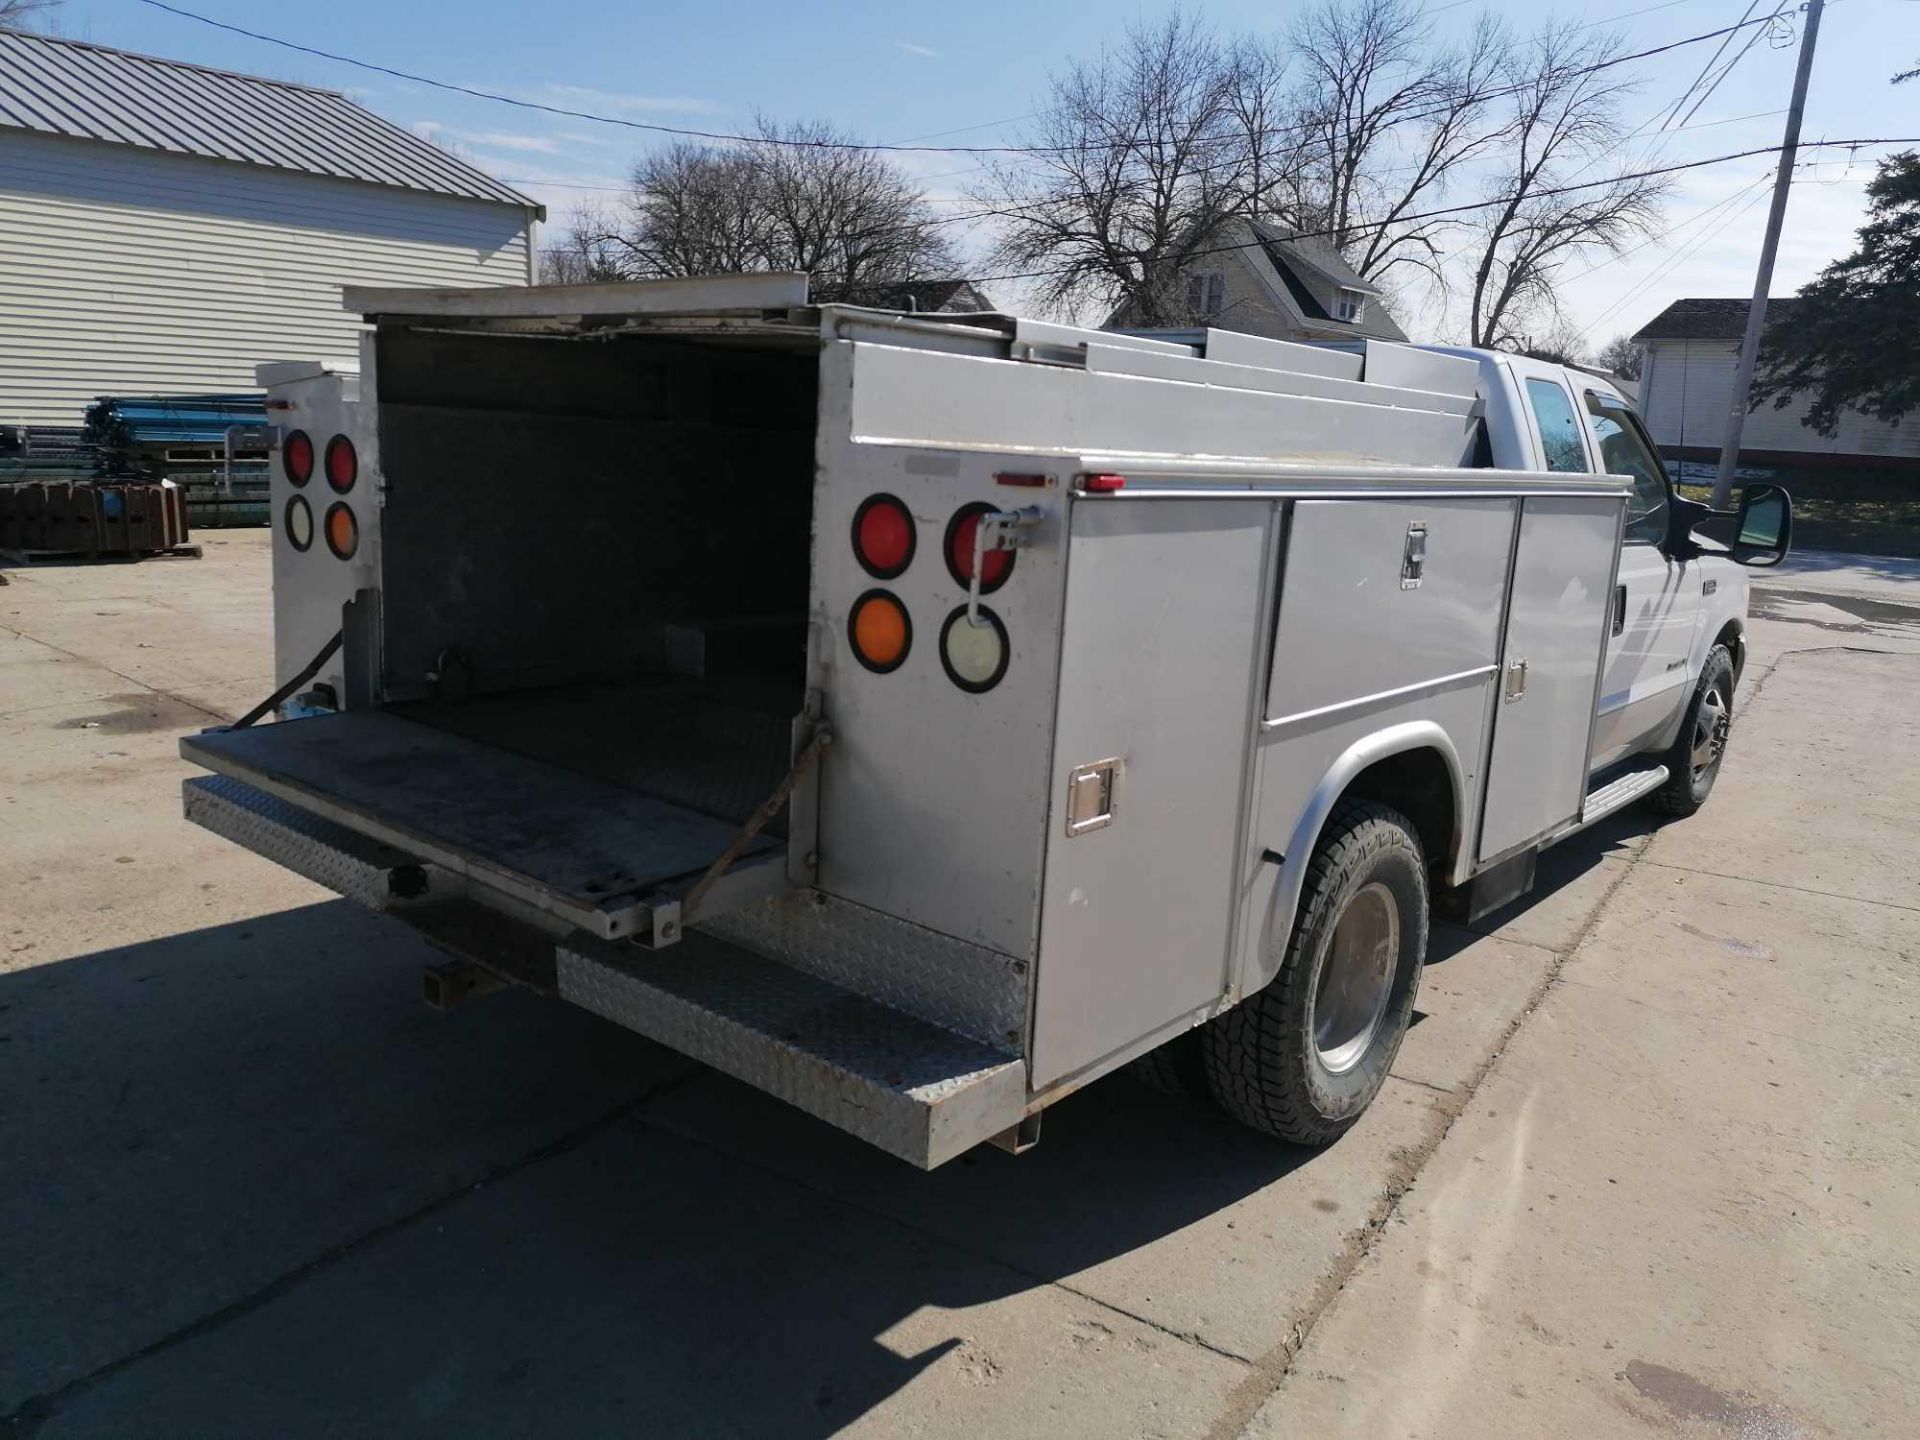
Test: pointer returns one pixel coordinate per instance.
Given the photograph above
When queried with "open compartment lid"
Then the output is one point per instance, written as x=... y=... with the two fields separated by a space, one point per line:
x=597 y=855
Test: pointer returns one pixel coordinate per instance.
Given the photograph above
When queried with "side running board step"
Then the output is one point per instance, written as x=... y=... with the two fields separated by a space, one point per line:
x=1613 y=797
x=913 y=1089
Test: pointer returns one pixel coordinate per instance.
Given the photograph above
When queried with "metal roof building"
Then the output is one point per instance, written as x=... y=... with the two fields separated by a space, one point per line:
x=165 y=227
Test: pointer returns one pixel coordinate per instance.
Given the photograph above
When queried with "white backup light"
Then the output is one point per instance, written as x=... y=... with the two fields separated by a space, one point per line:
x=974 y=656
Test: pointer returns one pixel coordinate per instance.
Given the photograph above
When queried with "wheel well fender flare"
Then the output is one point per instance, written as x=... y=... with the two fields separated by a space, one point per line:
x=1264 y=963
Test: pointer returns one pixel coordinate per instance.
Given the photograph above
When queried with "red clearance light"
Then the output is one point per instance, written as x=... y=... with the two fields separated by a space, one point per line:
x=1025 y=482
x=995 y=565
x=884 y=538
x=343 y=466
x=296 y=457
x=1102 y=484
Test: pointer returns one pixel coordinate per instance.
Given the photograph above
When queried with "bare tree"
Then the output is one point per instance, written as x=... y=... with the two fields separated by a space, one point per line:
x=1621 y=355
x=1347 y=128
x=1386 y=119
x=1563 y=342
x=14 y=14
x=799 y=197
x=1141 y=157
x=577 y=256
x=1563 y=121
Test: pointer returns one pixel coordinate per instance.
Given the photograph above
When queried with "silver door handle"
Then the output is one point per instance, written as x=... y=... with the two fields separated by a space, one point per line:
x=1516 y=680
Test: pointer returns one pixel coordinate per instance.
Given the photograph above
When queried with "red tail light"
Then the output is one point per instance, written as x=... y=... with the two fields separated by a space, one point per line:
x=296 y=457
x=884 y=537
x=1102 y=484
x=995 y=565
x=343 y=465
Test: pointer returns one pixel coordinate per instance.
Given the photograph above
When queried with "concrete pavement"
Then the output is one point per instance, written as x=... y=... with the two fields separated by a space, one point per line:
x=267 y=1193
x=1685 y=1200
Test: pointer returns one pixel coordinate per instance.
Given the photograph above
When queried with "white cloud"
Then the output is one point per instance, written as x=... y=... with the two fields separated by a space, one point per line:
x=582 y=97
x=518 y=142
x=913 y=49
x=507 y=140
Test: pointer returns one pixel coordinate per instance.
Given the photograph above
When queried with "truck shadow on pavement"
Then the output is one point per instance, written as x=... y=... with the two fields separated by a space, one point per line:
x=258 y=1188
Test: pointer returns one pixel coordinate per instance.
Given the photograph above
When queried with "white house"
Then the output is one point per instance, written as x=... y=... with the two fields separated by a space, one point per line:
x=166 y=227
x=1259 y=279
x=1691 y=350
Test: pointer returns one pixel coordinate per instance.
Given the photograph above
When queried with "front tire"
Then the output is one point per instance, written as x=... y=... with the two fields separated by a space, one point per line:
x=1693 y=764
x=1303 y=1058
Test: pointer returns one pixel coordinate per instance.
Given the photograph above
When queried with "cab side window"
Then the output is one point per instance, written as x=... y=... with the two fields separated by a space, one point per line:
x=1559 y=426
x=1624 y=450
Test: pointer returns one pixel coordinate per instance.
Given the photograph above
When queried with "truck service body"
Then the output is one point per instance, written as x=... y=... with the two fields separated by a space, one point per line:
x=920 y=717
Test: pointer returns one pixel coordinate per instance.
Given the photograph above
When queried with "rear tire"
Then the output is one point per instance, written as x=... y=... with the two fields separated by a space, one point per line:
x=1174 y=1068
x=1693 y=764
x=1303 y=1058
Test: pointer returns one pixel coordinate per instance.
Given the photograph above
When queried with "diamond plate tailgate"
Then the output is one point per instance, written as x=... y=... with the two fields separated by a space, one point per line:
x=911 y=1088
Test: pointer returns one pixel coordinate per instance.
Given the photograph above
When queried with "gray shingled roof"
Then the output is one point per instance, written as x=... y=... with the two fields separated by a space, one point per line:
x=65 y=87
x=1287 y=253
x=1708 y=319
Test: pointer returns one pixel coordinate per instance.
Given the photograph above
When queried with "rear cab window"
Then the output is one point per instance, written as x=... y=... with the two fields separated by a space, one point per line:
x=1559 y=426
x=1626 y=450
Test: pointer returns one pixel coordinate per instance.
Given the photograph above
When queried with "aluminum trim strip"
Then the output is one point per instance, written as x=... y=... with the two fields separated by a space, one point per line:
x=1383 y=492
x=1382 y=697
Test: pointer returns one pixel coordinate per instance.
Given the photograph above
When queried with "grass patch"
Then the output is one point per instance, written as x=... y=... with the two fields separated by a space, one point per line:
x=1871 y=512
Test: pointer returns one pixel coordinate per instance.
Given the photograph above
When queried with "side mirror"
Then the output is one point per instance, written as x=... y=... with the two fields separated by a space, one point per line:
x=1765 y=526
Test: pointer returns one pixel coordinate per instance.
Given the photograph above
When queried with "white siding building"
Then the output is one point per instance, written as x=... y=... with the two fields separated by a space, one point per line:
x=1691 y=351
x=165 y=227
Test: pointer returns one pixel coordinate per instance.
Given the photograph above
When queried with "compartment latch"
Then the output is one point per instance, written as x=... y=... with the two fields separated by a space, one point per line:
x=1090 y=796
x=1414 y=563
x=1000 y=530
x=1516 y=680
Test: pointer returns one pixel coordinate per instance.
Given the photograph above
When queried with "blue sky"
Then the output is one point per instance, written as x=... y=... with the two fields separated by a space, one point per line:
x=898 y=72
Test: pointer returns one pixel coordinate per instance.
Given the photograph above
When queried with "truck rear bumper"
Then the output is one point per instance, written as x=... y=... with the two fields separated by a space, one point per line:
x=909 y=1087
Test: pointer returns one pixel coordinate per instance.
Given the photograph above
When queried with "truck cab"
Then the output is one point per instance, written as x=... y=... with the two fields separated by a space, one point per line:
x=1675 y=598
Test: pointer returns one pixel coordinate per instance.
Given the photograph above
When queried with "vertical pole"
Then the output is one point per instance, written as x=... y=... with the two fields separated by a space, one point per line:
x=1763 y=281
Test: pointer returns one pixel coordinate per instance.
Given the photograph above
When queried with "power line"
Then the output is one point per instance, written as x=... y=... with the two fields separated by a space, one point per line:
x=622 y=189
x=1615 y=19
x=1752 y=194
x=735 y=138
x=1724 y=209
x=1498 y=200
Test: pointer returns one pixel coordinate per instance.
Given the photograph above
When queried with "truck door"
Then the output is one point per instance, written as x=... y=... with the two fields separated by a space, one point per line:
x=1657 y=600
x=1166 y=600
x=1543 y=717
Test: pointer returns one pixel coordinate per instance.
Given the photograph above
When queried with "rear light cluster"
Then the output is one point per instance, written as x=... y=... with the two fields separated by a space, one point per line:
x=341 y=464
x=974 y=654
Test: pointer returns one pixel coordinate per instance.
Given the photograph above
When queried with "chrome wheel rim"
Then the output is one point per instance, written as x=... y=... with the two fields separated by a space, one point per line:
x=1710 y=725
x=1356 y=979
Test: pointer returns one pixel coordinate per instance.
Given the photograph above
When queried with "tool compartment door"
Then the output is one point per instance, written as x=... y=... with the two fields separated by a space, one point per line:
x=1557 y=615
x=1163 y=623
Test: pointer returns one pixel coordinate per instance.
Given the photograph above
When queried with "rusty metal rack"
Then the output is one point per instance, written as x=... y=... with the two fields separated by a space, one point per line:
x=92 y=520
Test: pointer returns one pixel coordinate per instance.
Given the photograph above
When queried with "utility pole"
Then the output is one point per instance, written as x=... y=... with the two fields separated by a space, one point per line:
x=1757 y=312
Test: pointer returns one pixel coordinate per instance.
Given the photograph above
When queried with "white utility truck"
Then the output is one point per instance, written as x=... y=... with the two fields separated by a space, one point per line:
x=919 y=717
